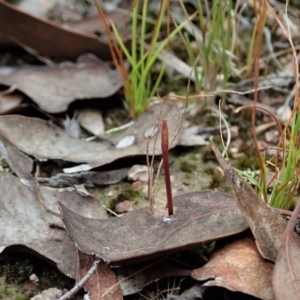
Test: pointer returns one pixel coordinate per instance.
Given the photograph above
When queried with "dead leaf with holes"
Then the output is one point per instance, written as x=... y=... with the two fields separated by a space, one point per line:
x=27 y=223
x=238 y=266
x=54 y=88
x=265 y=223
x=201 y=217
x=286 y=276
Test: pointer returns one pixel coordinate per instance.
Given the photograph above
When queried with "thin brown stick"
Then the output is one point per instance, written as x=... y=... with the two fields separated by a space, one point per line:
x=70 y=294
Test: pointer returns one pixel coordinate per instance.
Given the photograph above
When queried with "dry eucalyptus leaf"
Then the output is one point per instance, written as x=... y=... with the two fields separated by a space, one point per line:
x=25 y=221
x=104 y=278
x=201 y=217
x=265 y=223
x=46 y=37
x=54 y=88
x=286 y=276
x=132 y=141
x=45 y=141
x=239 y=267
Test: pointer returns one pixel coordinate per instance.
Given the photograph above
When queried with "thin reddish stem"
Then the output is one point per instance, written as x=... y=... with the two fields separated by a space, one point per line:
x=165 y=155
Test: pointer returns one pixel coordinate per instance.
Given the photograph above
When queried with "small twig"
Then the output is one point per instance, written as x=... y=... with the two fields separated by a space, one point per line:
x=124 y=126
x=70 y=294
x=130 y=276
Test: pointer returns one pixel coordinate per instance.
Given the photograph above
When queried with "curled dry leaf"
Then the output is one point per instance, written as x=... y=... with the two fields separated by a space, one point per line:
x=239 y=267
x=9 y=103
x=201 y=217
x=92 y=121
x=19 y=162
x=29 y=31
x=286 y=276
x=54 y=88
x=25 y=221
x=265 y=223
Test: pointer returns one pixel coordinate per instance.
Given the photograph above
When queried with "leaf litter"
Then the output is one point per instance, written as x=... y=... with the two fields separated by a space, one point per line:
x=69 y=44
x=238 y=266
x=29 y=32
x=265 y=223
x=27 y=223
x=201 y=217
x=54 y=88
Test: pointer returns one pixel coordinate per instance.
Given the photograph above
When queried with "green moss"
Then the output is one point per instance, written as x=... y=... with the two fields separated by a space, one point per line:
x=194 y=157
x=248 y=161
x=21 y=298
x=188 y=175
x=187 y=166
x=129 y=193
x=209 y=170
x=108 y=201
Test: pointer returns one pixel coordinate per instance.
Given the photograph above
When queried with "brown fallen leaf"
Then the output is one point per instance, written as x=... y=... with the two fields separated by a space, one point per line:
x=286 y=276
x=46 y=141
x=102 y=284
x=201 y=217
x=265 y=223
x=58 y=42
x=239 y=267
x=25 y=222
x=134 y=140
x=54 y=88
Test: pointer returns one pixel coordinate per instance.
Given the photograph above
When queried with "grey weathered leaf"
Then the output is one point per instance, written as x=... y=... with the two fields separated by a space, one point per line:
x=201 y=217
x=54 y=88
x=24 y=221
